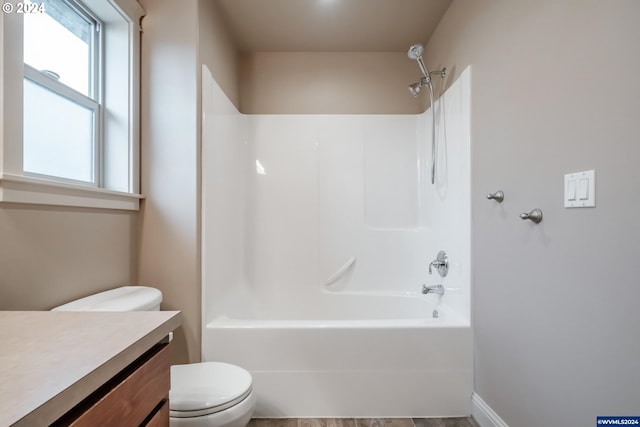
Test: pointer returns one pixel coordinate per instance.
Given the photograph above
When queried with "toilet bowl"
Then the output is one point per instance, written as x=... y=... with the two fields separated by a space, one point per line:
x=207 y=394
x=210 y=394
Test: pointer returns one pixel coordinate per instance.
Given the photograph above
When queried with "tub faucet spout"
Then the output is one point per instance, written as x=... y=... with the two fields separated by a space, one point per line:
x=433 y=289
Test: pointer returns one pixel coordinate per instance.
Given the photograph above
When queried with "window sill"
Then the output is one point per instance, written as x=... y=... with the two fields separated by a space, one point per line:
x=21 y=189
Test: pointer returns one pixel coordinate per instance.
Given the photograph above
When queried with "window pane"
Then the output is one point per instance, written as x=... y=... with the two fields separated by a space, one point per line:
x=60 y=41
x=58 y=135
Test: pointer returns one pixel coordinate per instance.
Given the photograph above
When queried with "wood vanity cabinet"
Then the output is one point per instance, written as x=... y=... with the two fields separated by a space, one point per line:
x=137 y=396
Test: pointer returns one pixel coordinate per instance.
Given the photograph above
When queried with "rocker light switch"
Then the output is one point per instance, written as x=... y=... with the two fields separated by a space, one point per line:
x=583 y=189
x=571 y=190
x=579 y=189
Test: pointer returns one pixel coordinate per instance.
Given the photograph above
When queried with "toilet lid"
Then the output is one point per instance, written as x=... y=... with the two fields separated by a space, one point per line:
x=209 y=386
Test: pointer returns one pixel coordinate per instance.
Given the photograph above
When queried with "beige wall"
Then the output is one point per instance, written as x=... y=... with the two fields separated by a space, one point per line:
x=169 y=218
x=327 y=83
x=51 y=255
x=217 y=51
x=177 y=37
x=555 y=90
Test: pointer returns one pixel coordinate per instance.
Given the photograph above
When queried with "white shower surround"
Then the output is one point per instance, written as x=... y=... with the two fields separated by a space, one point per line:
x=287 y=200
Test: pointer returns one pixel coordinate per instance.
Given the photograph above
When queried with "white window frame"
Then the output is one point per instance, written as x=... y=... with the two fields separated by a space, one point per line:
x=92 y=101
x=111 y=192
x=57 y=88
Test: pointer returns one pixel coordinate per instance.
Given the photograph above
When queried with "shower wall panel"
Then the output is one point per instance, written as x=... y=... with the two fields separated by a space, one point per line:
x=282 y=203
x=369 y=204
x=291 y=200
x=391 y=172
x=449 y=200
x=224 y=194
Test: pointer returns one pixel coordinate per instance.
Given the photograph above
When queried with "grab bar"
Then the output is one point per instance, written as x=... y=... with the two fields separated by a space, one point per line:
x=340 y=272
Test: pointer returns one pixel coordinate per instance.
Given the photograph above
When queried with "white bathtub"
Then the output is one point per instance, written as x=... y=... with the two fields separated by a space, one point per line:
x=347 y=355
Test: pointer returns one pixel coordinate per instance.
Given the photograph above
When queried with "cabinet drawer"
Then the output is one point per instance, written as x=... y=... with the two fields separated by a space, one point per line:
x=131 y=396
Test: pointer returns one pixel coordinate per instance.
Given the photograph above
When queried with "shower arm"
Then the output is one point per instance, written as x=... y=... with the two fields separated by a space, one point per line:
x=425 y=72
x=442 y=73
x=428 y=80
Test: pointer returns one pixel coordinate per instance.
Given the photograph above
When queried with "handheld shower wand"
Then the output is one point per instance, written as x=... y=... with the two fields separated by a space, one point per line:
x=415 y=52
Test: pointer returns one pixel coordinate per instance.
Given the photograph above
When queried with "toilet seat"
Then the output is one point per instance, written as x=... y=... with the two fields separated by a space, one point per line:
x=206 y=388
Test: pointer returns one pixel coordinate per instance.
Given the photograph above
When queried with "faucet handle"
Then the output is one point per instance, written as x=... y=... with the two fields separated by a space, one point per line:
x=441 y=264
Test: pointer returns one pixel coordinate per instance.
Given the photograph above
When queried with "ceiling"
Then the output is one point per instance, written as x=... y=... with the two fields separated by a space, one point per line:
x=330 y=25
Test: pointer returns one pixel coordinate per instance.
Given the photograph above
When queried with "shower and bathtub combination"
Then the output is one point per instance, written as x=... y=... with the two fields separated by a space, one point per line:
x=318 y=232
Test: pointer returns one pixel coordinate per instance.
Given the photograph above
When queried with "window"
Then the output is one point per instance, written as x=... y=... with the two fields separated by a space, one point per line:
x=70 y=104
x=62 y=87
x=63 y=42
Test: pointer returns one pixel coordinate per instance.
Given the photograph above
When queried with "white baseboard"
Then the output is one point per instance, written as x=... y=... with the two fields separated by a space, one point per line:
x=483 y=414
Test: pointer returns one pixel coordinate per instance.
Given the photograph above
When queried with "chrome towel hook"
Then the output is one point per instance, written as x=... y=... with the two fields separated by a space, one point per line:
x=498 y=196
x=535 y=215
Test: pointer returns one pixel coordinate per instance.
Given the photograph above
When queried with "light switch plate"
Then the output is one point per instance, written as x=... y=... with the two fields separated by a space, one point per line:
x=580 y=189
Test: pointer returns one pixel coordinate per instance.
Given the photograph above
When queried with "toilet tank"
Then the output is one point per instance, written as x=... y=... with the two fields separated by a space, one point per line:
x=125 y=298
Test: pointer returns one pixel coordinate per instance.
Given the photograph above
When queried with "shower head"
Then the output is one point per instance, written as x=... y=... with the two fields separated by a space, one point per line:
x=415 y=51
x=415 y=88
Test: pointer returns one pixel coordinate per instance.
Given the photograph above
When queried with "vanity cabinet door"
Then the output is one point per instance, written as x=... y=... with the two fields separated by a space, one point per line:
x=133 y=397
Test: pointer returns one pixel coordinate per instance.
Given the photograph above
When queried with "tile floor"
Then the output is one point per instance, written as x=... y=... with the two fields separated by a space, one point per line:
x=362 y=422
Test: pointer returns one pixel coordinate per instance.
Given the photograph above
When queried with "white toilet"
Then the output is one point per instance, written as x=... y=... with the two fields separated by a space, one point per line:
x=208 y=394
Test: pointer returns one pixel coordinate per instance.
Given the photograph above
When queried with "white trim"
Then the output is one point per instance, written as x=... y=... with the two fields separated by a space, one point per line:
x=40 y=78
x=483 y=414
x=22 y=189
x=11 y=106
x=130 y=8
x=123 y=18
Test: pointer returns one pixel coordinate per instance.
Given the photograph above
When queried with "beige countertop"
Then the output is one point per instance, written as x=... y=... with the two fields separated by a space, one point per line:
x=50 y=361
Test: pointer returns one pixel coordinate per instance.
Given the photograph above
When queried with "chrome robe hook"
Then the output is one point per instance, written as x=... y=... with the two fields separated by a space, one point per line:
x=535 y=215
x=498 y=196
